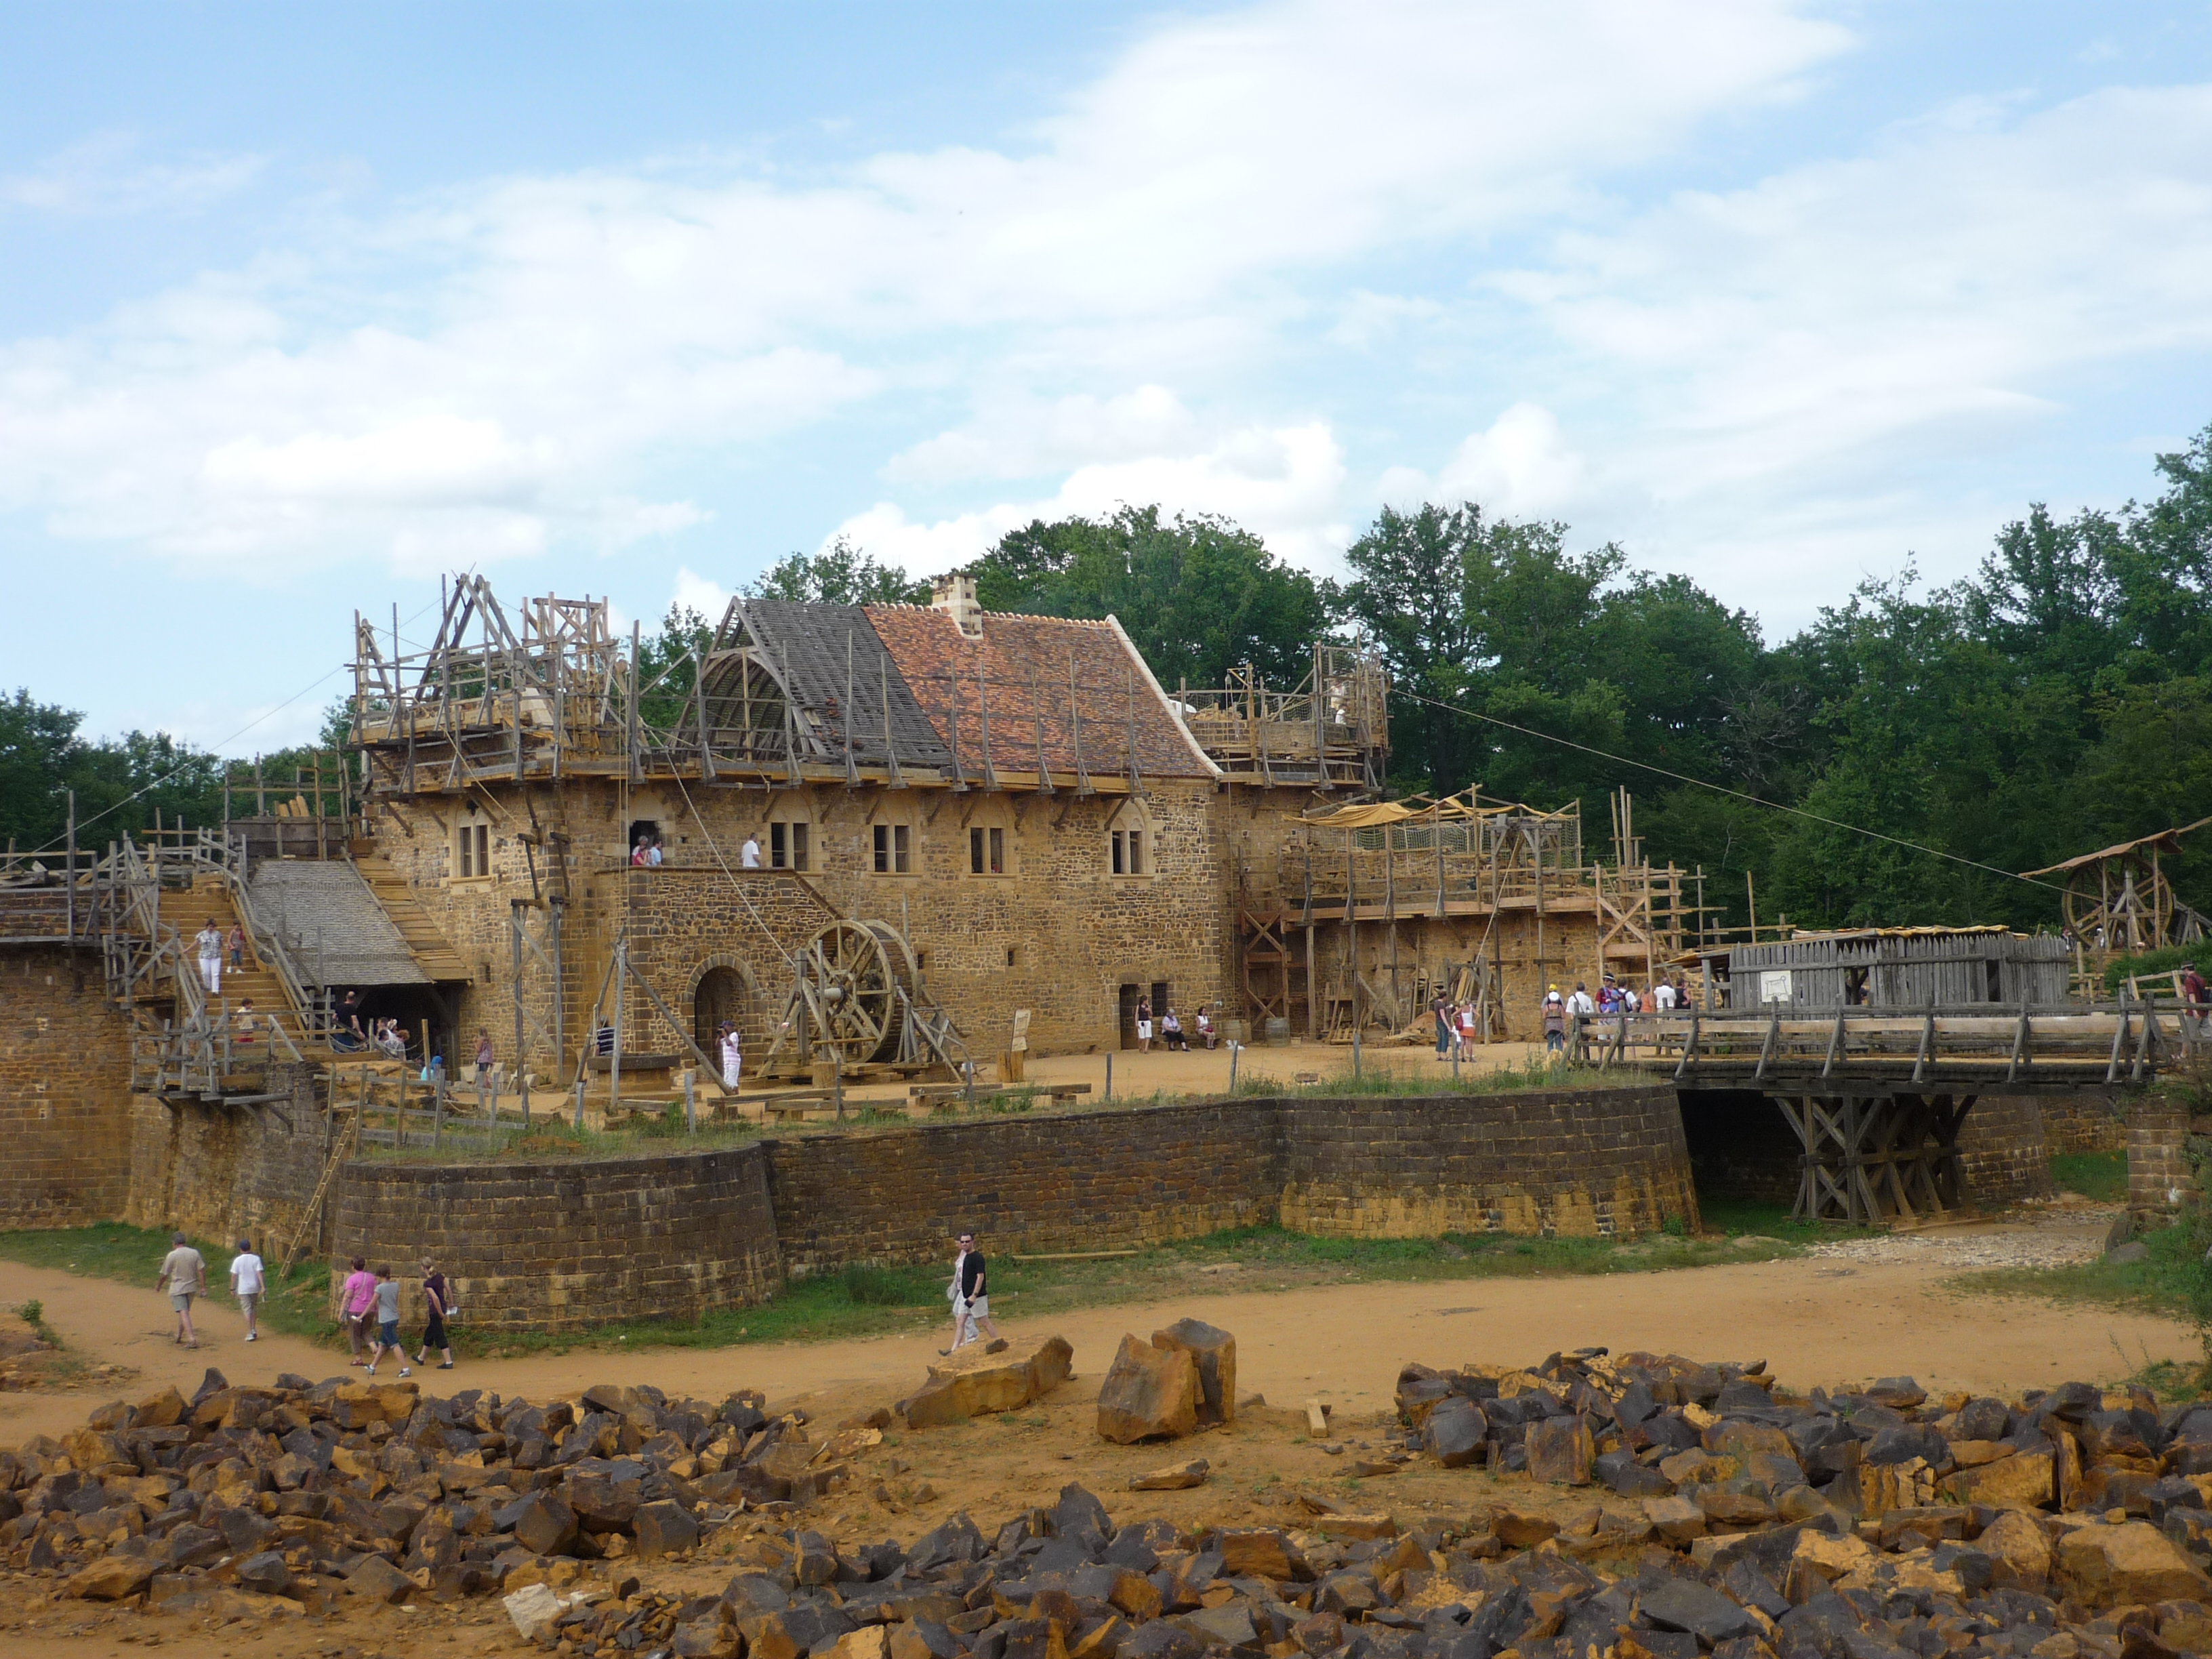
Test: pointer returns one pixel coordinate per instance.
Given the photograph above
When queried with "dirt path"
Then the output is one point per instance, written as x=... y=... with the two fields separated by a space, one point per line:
x=1816 y=1320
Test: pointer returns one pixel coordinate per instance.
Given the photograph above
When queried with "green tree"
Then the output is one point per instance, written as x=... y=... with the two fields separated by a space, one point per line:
x=841 y=574
x=1197 y=595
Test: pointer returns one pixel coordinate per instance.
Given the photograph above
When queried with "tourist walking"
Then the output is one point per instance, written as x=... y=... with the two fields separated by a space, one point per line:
x=437 y=1300
x=970 y=1292
x=246 y=1022
x=346 y=1033
x=237 y=946
x=2193 y=996
x=733 y=1057
x=184 y=1275
x=385 y=1300
x=356 y=1298
x=247 y=1282
x=1440 y=1011
x=748 y=855
x=209 y=940
x=484 y=1062
x=1555 y=1021
x=1662 y=996
x=1144 y=1025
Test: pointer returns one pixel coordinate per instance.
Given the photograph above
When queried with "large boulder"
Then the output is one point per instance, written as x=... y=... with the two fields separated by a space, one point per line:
x=1215 y=1352
x=1149 y=1394
x=973 y=1382
x=2114 y=1566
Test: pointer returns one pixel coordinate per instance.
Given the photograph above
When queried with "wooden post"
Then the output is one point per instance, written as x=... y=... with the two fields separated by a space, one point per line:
x=691 y=1114
x=437 y=1109
x=1109 y=1094
x=70 y=881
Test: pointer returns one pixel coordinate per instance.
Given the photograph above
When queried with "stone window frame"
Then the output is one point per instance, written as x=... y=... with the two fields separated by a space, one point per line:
x=990 y=817
x=1130 y=818
x=802 y=860
x=894 y=829
x=469 y=847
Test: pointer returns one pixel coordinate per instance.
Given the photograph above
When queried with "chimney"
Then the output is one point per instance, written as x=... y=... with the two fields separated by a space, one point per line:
x=955 y=595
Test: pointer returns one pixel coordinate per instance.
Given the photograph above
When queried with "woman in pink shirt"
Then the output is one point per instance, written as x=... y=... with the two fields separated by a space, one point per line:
x=356 y=1298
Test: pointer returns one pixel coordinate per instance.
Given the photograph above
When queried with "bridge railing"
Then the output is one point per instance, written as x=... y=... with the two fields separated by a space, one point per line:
x=2125 y=1041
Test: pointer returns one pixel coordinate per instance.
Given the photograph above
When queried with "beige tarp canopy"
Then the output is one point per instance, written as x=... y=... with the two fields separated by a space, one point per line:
x=1372 y=815
x=2166 y=840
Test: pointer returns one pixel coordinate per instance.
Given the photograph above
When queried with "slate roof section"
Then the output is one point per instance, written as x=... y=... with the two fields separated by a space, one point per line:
x=1020 y=670
x=331 y=922
x=813 y=640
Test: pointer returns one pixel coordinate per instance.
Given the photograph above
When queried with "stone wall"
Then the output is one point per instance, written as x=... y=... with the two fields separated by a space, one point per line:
x=1057 y=933
x=558 y=1245
x=65 y=1091
x=1574 y=1163
x=1100 y=1180
x=2003 y=1155
x=2159 y=1182
x=229 y=1172
x=2084 y=1122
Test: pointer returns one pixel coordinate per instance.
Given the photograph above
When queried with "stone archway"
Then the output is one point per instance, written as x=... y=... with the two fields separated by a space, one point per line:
x=724 y=988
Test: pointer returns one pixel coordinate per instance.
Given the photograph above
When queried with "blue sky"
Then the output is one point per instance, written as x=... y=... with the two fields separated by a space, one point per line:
x=301 y=306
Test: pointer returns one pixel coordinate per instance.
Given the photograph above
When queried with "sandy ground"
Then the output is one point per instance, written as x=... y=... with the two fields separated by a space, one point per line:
x=1816 y=1320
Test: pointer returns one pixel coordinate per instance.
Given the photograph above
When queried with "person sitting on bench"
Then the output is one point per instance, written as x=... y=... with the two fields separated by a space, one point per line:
x=1171 y=1031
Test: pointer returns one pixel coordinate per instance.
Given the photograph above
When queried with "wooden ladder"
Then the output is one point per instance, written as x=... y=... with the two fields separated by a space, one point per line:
x=339 y=1148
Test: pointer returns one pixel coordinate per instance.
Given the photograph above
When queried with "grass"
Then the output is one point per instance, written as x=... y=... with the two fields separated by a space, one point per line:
x=2159 y=1284
x=2101 y=1176
x=132 y=1255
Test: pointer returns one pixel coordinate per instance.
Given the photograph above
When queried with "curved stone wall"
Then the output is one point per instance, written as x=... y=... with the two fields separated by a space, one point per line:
x=561 y=1244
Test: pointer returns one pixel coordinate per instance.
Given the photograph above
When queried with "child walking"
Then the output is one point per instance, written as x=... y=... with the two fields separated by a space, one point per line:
x=388 y=1323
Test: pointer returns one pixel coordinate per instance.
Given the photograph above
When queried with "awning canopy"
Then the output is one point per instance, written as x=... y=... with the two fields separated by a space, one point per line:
x=2166 y=840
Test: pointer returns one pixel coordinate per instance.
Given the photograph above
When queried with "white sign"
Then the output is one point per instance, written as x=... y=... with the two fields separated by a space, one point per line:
x=1774 y=985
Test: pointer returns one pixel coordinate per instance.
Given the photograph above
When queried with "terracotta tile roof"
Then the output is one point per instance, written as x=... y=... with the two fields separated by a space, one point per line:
x=1020 y=672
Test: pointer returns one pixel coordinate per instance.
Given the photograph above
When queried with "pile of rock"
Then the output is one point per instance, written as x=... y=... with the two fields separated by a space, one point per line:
x=312 y=1490
x=1183 y=1380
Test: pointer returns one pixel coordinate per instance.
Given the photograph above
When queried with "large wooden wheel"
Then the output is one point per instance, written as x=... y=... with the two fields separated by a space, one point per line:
x=850 y=977
x=2119 y=904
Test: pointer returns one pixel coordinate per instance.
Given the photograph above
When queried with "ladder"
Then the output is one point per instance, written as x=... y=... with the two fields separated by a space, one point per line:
x=339 y=1148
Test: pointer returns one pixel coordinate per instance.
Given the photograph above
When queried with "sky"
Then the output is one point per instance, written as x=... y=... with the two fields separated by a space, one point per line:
x=301 y=307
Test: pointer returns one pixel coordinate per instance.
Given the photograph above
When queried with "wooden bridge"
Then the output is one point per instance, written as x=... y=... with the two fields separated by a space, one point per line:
x=1876 y=1097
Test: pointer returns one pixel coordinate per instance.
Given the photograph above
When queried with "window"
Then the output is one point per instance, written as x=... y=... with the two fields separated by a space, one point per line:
x=894 y=854
x=787 y=845
x=986 y=851
x=472 y=851
x=1128 y=852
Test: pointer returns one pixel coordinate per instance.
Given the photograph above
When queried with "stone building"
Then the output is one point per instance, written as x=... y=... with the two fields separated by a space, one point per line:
x=1026 y=815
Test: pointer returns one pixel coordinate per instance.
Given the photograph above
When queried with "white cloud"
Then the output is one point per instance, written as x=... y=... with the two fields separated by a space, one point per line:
x=701 y=593
x=1520 y=467
x=1284 y=482
x=103 y=176
x=506 y=358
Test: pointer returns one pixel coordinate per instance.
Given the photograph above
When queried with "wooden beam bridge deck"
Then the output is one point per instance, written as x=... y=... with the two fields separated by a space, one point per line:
x=1860 y=1052
x=1877 y=1098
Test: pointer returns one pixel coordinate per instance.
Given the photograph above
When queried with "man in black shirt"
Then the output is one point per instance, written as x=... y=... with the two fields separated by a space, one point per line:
x=971 y=1298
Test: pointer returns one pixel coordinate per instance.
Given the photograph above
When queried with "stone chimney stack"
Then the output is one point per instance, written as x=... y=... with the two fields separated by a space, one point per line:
x=955 y=595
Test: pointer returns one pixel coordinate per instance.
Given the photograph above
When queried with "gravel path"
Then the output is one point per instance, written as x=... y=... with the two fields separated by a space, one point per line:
x=2061 y=1241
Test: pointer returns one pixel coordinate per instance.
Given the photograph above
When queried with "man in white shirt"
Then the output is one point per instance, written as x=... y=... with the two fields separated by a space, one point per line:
x=749 y=858
x=1580 y=1002
x=209 y=941
x=1663 y=995
x=245 y=1284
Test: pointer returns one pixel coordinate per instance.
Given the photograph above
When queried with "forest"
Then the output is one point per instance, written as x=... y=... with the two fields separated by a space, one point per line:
x=1891 y=763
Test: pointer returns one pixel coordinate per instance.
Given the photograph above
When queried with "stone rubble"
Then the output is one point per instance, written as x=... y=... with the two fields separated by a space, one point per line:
x=1654 y=1507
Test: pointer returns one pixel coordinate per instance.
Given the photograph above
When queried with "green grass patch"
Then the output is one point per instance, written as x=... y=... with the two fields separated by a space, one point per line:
x=2101 y=1176
x=2162 y=963
x=132 y=1255
x=2160 y=1283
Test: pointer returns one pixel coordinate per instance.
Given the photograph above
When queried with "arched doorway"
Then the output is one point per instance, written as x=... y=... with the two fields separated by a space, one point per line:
x=720 y=995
